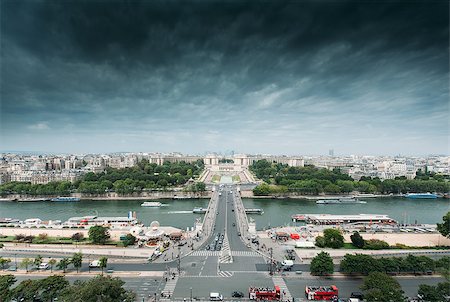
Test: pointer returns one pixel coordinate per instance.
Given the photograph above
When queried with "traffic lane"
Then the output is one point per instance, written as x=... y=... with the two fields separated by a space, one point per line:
x=243 y=263
x=235 y=240
x=210 y=266
x=193 y=265
x=348 y=285
x=202 y=287
x=296 y=267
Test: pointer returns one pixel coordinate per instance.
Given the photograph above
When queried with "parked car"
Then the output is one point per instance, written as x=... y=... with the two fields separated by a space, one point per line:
x=358 y=295
x=215 y=297
x=96 y=263
x=237 y=294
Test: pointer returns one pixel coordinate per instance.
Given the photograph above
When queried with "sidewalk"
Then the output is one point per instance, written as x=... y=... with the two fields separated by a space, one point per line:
x=93 y=273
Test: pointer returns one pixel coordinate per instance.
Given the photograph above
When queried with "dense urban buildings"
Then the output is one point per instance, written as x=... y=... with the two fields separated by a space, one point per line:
x=41 y=169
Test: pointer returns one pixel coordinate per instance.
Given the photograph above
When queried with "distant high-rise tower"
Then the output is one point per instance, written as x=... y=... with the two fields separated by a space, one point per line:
x=331 y=152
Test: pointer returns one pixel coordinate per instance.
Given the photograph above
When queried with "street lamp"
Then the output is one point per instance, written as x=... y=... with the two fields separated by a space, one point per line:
x=191 y=294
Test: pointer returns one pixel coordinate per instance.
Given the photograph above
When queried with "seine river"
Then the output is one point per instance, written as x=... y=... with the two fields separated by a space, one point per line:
x=277 y=212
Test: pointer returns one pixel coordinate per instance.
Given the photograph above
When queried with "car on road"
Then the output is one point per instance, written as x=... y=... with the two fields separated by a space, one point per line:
x=357 y=295
x=12 y=268
x=232 y=210
x=239 y=233
x=234 y=224
x=237 y=294
x=96 y=263
x=215 y=297
x=44 y=266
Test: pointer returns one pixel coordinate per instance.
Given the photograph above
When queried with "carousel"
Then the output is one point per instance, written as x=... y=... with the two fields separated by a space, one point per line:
x=151 y=237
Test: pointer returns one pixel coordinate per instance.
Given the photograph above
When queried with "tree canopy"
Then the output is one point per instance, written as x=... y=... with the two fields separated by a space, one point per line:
x=142 y=176
x=381 y=287
x=322 y=264
x=444 y=227
x=98 y=234
x=312 y=180
x=97 y=289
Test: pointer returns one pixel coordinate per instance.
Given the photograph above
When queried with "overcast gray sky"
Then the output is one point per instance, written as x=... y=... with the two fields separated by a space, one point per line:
x=280 y=77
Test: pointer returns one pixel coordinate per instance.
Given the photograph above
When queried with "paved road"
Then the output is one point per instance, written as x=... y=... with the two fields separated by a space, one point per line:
x=208 y=270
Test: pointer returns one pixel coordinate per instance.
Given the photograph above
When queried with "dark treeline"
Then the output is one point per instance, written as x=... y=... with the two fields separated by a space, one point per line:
x=365 y=264
x=280 y=178
x=143 y=176
x=57 y=287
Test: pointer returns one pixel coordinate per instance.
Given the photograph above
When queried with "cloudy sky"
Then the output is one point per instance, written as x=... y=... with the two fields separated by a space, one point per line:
x=280 y=77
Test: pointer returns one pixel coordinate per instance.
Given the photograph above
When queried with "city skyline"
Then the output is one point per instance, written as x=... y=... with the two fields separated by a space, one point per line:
x=275 y=78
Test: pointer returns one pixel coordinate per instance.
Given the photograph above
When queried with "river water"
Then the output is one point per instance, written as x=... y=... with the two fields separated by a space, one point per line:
x=178 y=213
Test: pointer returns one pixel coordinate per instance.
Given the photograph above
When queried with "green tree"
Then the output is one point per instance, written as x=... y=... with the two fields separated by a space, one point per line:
x=77 y=260
x=430 y=293
x=381 y=287
x=357 y=240
x=444 y=227
x=98 y=289
x=375 y=244
x=63 y=264
x=333 y=238
x=320 y=241
x=52 y=286
x=37 y=261
x=26 y=262
x=359 y=263
x=103 y=262
x=129 y=240
x=322 y=264
x=26 y=290
x=4 y=261
x=52 y=263
x=6 y=281
x=77 y=237
x=98 y=234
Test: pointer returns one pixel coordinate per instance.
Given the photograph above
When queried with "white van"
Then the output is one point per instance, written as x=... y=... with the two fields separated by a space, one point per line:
x=215 y=297
x=44 y=266
x=287 y=264
x=95 y=263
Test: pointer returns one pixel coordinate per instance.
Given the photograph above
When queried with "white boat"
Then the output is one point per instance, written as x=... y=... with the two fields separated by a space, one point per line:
x=151 y=204
x=340 y=201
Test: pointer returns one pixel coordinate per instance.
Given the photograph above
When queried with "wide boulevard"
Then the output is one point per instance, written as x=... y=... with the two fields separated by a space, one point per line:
x=225 y=262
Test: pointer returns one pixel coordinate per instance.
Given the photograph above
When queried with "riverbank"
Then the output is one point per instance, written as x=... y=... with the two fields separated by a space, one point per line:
x=114 y=196
x=249 y=194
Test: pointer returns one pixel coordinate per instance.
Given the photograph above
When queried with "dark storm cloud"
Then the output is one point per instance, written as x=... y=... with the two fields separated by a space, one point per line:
x=211 y=71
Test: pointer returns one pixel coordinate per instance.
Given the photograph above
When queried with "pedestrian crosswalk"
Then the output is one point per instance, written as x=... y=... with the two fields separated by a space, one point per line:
x=170 y=287
x=219 y=253
x=206 y=253
x=285 y=294
x=225 y=274
x=244 y=254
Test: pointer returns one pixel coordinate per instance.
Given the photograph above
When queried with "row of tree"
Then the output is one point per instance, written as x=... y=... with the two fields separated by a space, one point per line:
x=365 y=264
x=143 y=176
x=309 y=180
x=97 y=289
x=63 y=264
x=377 y=285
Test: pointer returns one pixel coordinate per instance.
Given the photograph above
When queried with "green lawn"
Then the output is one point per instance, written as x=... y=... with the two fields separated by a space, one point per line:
x=236 y=178
x=215 y=178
